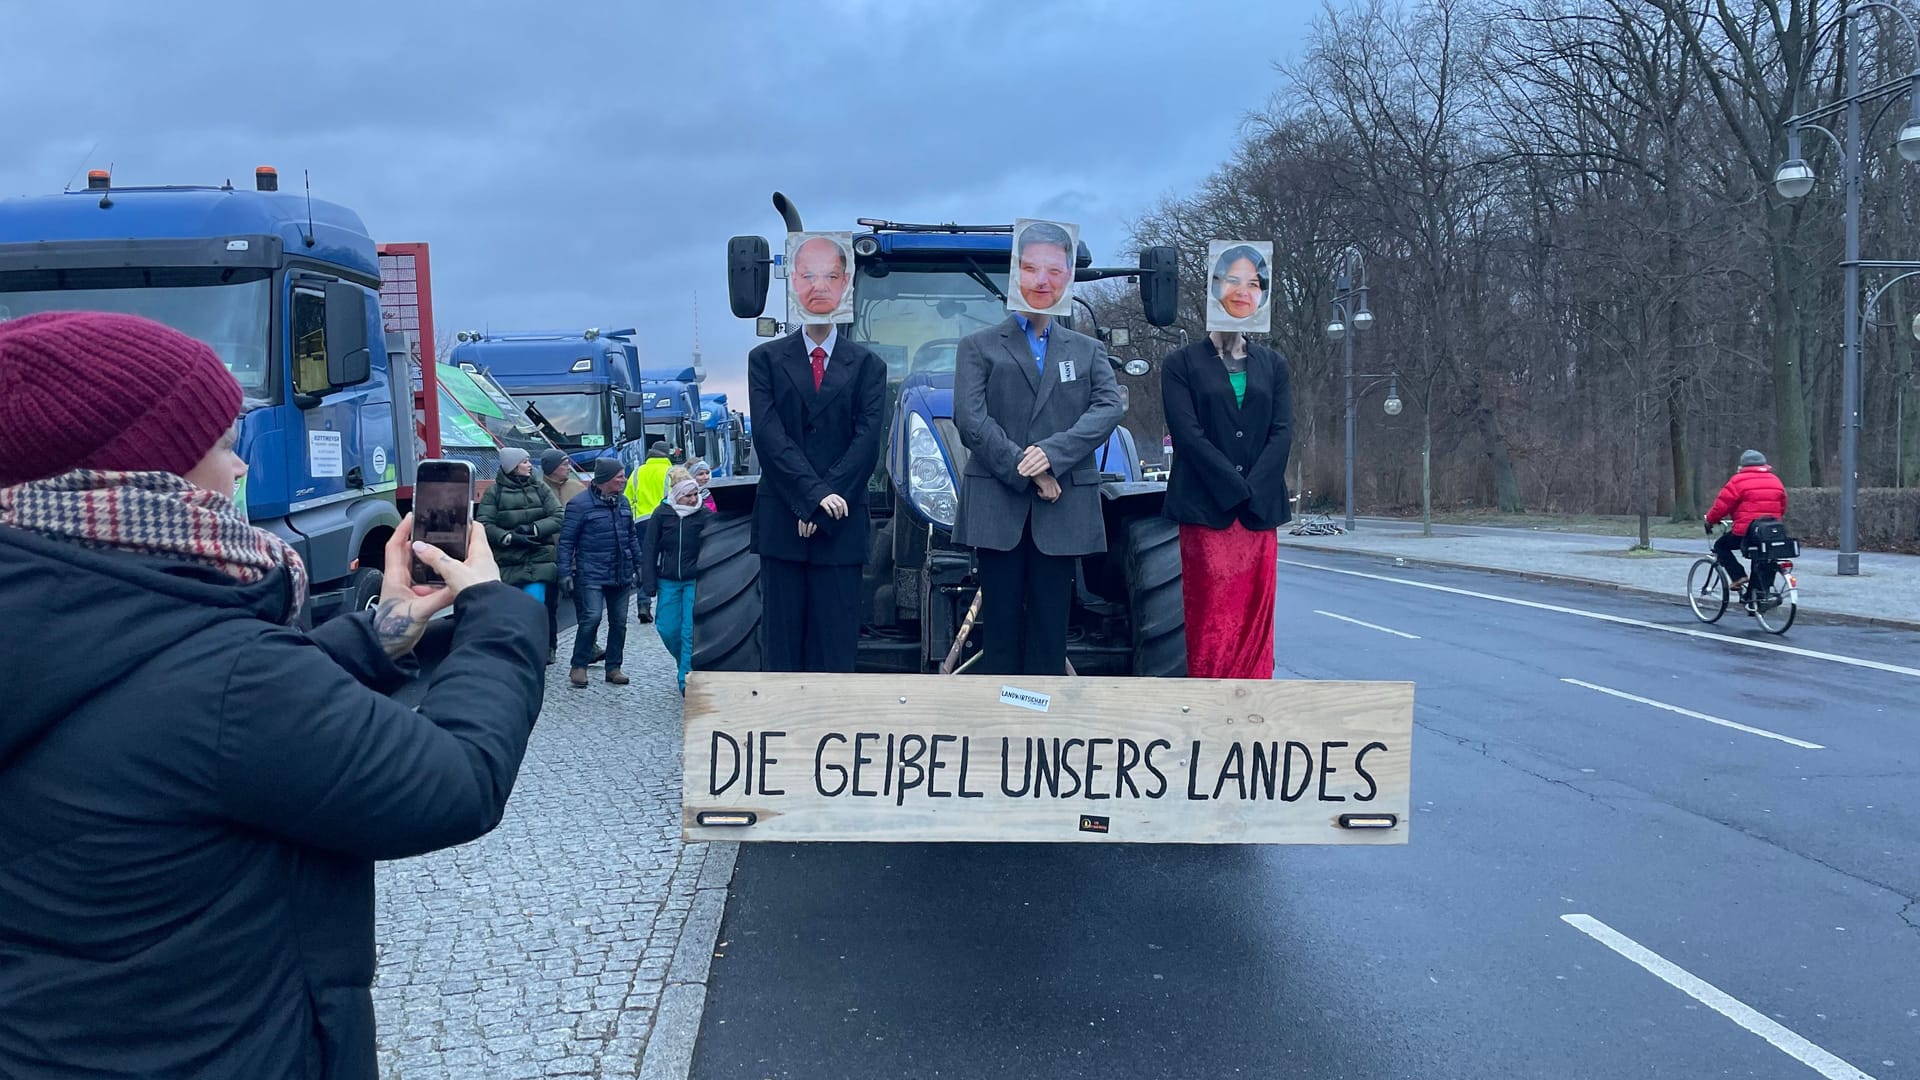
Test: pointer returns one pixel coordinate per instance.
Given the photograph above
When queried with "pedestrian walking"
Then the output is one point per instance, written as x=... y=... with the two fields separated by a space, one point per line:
x=557 y=468
x=670 y=565
x=194 y=791
x=599 y=560
x=1229 y=405
x=522 y=518
x=648 y=484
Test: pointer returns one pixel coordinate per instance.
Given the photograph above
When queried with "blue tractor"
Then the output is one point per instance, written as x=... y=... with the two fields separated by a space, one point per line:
x=286 y=291
x=917 y=290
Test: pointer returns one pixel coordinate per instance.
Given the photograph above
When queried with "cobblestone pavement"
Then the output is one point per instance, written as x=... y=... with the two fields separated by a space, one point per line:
x=573 y=940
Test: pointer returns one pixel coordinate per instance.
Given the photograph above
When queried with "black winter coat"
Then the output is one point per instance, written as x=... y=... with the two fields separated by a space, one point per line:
x=513 y=502
x=814 y=443
x=1229 y=460
x=193 y=798
x=599 y=541
x=670 y=546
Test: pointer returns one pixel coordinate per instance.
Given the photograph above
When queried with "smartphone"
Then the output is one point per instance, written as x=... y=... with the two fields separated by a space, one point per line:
x=442 y=512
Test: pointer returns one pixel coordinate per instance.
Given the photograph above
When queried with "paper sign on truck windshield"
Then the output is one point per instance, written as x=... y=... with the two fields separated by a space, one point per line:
x=1125 y=760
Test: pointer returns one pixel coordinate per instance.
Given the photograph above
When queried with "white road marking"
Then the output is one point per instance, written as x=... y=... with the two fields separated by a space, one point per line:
x=1787 y=1042
x=1368 y=625
x=1762 y=732
x=1621 y=620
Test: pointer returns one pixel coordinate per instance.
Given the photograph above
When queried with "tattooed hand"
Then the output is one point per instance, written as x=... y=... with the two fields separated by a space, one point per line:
x=404 y=609
x=399 y=625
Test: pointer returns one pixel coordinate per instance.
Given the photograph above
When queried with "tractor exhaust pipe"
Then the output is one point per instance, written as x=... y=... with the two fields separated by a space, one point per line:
x=787 y=212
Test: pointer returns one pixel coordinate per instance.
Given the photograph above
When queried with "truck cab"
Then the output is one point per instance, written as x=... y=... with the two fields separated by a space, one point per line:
x=670 y=398
x=578 y=384
x=724 y=436
x=286 y=291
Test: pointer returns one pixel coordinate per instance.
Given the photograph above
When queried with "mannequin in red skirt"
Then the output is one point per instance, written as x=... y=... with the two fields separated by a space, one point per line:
x=1230 y=411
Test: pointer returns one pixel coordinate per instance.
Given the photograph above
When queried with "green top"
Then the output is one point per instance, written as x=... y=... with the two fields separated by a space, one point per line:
x=1239 y=381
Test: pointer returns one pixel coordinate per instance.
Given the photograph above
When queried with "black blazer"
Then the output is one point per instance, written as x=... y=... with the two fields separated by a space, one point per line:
x=1229 y=460
x=814 y=444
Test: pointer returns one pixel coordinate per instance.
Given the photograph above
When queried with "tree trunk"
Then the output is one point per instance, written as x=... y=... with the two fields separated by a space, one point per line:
x=1426 y=470
x=1793 y=449
x=1686 y=500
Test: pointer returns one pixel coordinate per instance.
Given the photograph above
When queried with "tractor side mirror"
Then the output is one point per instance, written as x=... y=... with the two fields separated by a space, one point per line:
x=749 y=272
x=1160 y=284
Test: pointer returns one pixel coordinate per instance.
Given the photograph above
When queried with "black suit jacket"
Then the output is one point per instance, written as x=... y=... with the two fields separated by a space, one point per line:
x=1229 y=460
x=812 y=444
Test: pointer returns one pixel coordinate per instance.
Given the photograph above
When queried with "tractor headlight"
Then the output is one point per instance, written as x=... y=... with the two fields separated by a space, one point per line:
x=929 y=479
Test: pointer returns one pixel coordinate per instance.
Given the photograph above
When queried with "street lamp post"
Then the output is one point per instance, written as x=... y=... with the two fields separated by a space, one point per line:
x=1350 y=307
x=1795 y=179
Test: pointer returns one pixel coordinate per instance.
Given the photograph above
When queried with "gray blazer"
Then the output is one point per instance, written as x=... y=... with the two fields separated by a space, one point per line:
x=1002 y=405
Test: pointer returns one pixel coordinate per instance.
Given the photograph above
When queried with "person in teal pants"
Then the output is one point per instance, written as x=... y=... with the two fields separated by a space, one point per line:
x=669 y=568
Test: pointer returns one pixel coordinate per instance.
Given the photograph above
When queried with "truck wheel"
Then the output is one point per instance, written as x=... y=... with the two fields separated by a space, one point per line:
x=365 y=590
x=1153 y=598
x=726 y=605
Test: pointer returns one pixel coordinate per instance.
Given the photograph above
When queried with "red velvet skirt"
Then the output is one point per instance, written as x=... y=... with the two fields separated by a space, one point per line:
x=1227 y=580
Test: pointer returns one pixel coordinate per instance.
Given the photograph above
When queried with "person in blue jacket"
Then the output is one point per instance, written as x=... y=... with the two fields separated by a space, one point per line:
x=600 y=564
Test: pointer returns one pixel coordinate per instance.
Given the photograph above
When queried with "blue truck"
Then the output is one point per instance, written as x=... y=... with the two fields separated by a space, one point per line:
x=581 y=386
x=917 y=290
x=286 y=291
x=726 y=436
x=671 y=398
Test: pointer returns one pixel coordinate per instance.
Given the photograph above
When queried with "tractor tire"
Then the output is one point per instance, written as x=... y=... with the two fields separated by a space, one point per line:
x=726 y=605
x=1154 y=603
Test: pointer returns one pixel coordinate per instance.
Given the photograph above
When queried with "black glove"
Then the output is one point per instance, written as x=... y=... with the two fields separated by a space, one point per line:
x=566 y=586
x=1709 y=527
x=527 y=531
x=516 y=540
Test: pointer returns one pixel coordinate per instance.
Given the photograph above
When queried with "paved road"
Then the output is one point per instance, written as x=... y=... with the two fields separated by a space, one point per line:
x=1783 y=876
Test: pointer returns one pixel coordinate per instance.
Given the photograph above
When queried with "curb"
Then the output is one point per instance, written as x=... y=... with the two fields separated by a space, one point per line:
x=1840 y=618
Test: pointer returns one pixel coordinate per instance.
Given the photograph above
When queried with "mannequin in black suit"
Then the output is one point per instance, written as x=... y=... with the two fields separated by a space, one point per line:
x=818 y=404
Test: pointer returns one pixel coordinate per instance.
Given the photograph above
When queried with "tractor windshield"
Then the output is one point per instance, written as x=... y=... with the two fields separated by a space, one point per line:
x=914 y=318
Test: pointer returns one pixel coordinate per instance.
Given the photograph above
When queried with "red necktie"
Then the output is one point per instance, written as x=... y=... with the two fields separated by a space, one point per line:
x=819 y=367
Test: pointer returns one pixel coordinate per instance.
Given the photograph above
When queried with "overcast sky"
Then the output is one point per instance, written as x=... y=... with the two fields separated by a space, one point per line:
x=583 y=164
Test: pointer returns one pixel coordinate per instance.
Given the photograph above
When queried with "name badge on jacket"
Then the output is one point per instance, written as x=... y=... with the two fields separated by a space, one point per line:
x=1068 y=372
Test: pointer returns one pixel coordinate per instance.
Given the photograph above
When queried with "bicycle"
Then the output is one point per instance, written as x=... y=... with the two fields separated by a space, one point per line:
x=1771 y=552
x=1316 y=525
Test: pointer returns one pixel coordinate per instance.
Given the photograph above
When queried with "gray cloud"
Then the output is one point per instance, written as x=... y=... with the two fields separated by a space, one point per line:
x=584 y=164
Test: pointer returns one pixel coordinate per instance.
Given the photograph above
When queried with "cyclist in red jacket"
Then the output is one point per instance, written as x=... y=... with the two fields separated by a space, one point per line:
x=1752 y=493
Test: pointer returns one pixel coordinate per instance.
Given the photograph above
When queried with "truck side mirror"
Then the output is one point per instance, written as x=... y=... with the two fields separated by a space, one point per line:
x=1160 y=284
x=349 y=359
x=749 y=272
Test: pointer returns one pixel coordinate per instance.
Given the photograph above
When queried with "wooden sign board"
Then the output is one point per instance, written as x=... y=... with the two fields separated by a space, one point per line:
x=981 y=758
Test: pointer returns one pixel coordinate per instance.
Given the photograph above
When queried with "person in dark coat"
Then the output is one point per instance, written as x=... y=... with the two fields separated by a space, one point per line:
x=1033 y=401
x=600 y=564
x=670 y=565
x=557 y=469
x=522 y=519
x=818 y=402
x=194 y=791
x=1229 y=407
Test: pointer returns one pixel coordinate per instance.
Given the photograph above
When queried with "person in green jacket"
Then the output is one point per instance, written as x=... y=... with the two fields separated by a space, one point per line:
x=522 y=519
x=648 y=484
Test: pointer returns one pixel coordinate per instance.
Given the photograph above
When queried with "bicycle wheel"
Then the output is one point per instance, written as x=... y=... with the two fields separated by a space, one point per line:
x=1775 y=609
x=1707 y=590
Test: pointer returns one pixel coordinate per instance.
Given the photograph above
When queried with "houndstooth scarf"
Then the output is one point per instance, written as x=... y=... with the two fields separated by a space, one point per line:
x=152 y=513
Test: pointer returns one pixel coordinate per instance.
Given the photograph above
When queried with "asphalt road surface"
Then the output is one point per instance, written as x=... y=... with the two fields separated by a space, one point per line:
x=1597 y=885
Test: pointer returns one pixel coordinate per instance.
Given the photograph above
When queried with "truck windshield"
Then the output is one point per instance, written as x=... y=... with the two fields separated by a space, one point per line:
x=915 y=318
x=226 y=308
x=575 y=416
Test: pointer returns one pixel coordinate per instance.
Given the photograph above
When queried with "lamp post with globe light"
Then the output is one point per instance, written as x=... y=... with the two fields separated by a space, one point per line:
x=1350 y=307
x=1794 y=179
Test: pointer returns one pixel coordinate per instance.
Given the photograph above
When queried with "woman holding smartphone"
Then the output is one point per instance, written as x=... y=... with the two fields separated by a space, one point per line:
x=194 y=790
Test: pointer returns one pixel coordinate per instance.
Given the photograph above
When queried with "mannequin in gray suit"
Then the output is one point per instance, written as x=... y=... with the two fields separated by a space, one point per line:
x=1033 y=401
